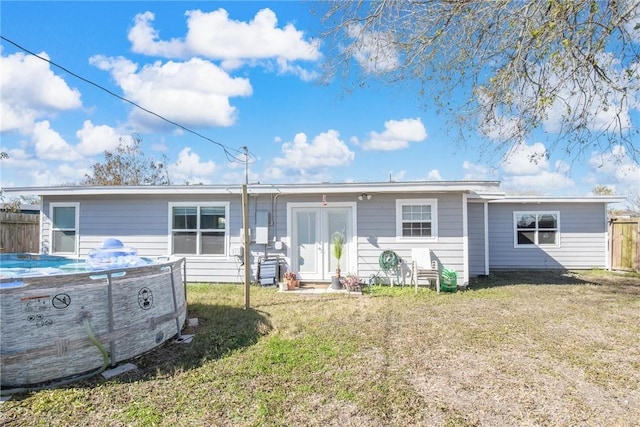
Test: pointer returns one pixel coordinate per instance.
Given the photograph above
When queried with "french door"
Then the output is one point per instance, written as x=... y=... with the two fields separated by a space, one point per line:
x=311 y=230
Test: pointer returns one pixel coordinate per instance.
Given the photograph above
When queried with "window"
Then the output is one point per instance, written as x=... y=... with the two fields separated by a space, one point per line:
x=199 y=229
x=64 y=228
x=536 y=228
x=417 y=219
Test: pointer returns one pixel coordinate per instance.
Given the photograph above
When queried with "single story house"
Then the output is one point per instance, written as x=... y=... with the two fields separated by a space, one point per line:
x=471 y=227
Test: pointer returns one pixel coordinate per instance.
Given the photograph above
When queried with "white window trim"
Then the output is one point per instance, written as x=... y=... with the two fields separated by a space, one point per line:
x=226 y=206
x=434 y=219
x=536 y=245
x=52 y=228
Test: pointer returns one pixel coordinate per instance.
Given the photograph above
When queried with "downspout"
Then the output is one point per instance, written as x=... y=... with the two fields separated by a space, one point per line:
x=274 y=215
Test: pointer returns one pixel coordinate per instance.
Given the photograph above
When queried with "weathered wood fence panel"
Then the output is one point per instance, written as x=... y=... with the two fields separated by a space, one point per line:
x=625 y=244
x=19 y=232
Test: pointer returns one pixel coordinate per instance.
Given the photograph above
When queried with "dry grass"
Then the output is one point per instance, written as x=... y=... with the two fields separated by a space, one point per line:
x=516 y=349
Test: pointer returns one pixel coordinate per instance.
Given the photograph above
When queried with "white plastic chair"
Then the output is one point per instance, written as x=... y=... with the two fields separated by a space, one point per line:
x=424 y=267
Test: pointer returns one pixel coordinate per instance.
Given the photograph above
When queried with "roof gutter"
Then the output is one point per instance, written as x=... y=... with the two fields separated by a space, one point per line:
x=344 y=188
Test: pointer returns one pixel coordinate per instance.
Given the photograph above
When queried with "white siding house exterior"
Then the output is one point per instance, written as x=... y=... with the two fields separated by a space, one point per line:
x=469 y=226
x=581 y=234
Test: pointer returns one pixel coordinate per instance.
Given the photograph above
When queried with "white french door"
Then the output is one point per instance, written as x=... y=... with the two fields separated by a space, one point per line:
x=311 y=231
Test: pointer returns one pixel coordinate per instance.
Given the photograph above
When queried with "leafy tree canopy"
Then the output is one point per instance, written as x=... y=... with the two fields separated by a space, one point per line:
x=128 y=166
x=569 y=67
x=603 y=190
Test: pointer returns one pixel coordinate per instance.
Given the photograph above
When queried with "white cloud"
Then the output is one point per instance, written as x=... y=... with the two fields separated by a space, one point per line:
x=616 y=166
x=145 y=39
x=19 y=160
x=30 y=90
x=544 y=182
x=583 y=100
x=476 y=172
x=601 y=115
x=526 y=169
x=325 y=150
x=192 y=93
x=16 y=117
x=633 y=23
x=22 y=166
x=190 y=168
x=274 y=174
x=217 y=36
x=286 y=67
x=60 y=175
x=523 y=159
x=214 y=35
x=160 y=147
x=373 y=50
x=49 y=145
x=434 y=175
x=502 y=128
x=397 y=135
x=98 y=139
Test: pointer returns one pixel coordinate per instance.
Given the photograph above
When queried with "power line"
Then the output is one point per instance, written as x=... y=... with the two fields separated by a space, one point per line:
x=227 y=150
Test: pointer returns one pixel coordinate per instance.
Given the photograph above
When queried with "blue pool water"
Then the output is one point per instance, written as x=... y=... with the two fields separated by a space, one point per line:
x=28 y=265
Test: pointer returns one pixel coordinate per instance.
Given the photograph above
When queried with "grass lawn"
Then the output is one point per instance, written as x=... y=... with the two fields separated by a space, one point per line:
x=517 y=349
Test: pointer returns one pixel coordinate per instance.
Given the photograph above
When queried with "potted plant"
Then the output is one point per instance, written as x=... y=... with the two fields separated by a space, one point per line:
x=338 y=249
x=291 y=278
x=351 y=283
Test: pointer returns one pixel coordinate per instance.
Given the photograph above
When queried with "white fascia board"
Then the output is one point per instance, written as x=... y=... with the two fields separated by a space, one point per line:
x=481 y=196
x=381 y=187
x=471 y=187
x=124 y=189
x=561 y=199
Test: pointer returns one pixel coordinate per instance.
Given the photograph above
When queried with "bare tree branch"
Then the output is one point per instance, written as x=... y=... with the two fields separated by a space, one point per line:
x=128 y=166
x=568 y=67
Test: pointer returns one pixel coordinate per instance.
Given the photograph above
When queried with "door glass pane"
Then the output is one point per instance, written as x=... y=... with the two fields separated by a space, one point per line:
x=306 y=235
x=64 y=241
x=64 y=217
x=337 y=221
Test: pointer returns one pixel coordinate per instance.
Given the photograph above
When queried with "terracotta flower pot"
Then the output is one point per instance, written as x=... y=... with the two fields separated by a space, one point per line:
x=292 y=284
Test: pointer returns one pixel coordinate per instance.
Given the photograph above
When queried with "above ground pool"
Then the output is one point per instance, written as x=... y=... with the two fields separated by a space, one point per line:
x=62 y=318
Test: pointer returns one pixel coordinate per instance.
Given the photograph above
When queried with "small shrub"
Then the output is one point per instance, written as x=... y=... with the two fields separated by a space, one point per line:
x=351 y=282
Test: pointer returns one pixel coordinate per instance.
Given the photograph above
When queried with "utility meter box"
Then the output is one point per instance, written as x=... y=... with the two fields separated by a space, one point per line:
x=262 y=227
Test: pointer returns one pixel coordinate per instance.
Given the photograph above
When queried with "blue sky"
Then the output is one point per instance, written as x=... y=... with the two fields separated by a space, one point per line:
x=241 y=74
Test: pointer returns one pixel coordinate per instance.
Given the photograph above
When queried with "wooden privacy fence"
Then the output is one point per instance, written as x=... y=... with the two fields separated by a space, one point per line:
x=625 y=244
x=19 y=232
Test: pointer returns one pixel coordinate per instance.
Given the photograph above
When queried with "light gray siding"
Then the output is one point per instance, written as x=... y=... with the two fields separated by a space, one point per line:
x=377 y=233
x=583 y=238
x=476 y=229
x=142 y=222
